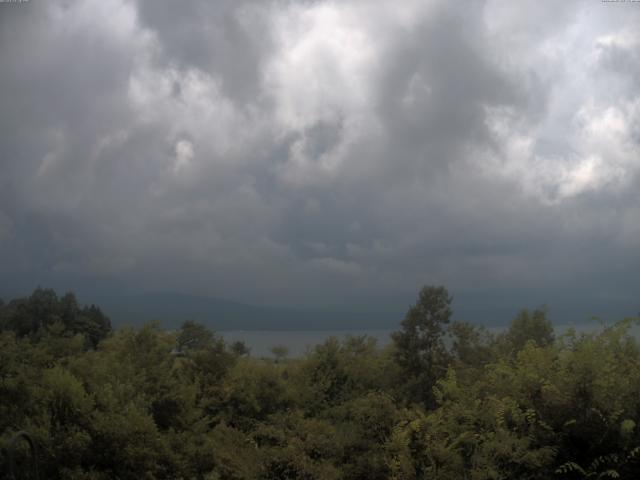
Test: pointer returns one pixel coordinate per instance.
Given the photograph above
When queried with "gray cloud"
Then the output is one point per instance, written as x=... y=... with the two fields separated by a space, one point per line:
x=321 y=153
x=228 y=39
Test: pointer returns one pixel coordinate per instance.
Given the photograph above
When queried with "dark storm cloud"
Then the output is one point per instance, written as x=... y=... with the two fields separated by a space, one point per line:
x=320 y=152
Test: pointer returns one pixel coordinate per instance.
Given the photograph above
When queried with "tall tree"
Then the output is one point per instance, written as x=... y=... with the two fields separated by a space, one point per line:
x=420 y=349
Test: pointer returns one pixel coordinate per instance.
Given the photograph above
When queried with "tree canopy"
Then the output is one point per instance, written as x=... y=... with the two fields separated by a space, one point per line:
x=420 y=348
x=446 y=400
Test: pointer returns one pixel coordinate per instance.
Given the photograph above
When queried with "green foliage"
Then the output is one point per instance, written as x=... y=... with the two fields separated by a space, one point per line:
x=43 y=311
x=240 y=348
x=149 y=404
x=280 y=352
x=194 y=336
x=256 y=390
x=472 y=348
x=529 y=326
x=420 y=349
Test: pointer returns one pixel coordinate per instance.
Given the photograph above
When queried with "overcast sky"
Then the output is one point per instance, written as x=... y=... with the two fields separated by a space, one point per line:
x=335 y=153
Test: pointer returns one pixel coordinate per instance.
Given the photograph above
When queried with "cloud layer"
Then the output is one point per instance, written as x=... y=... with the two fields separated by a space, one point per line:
x=321 y=152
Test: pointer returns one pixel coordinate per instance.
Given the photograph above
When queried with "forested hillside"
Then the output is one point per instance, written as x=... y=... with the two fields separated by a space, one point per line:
x=445 y=400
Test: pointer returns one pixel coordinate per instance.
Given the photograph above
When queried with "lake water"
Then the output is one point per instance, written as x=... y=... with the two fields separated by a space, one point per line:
x=298 y=341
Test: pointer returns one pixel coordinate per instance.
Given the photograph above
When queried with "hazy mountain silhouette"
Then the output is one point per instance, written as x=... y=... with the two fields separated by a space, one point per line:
x=171 y=309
